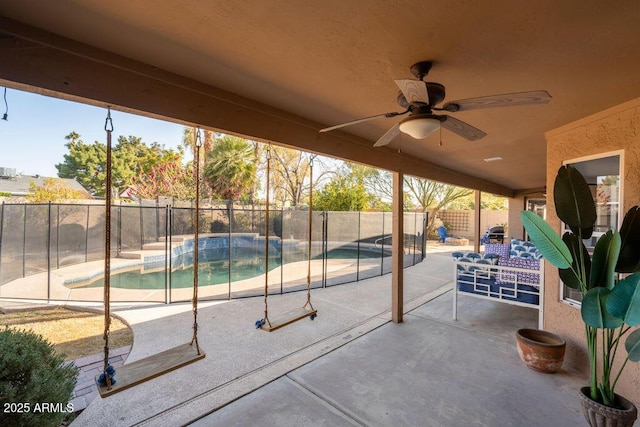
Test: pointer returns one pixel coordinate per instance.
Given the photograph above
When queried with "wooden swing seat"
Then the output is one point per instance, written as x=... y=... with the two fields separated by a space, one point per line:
x=151 y=367
x=288 y=318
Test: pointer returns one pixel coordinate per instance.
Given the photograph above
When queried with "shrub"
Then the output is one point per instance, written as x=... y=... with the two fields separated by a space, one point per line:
x=35 y=382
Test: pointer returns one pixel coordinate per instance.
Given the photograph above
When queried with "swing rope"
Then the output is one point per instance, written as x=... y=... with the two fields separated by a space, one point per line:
x=308 y=303
x=296 y=315
x=266 y=242
x=197 y=143
x=108 y=374
x=168 y=360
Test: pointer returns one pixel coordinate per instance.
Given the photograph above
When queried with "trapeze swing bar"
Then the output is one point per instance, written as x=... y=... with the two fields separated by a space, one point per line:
x=307 y=310
x=158 y=364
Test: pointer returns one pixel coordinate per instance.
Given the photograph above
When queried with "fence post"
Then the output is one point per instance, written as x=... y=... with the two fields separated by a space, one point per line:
x=119 y=230
x=425 y=218
x=358 y=252
x=1 y=228
x=229 y=251
x=24 y=242
x=282 y=251
x=58 y=236
x=325 y=236
x=415 y=235
x=86 y=235
x=142 y=225
x=382 y=247
x=49 y=252
x=167 y=254
x=157 y=227
x=170 y=233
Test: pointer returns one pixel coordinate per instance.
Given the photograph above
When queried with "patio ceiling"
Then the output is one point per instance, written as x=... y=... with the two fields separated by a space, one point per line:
x=310 y=64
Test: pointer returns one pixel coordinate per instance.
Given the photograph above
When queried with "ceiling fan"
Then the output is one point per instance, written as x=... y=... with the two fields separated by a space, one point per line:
x=420 y=98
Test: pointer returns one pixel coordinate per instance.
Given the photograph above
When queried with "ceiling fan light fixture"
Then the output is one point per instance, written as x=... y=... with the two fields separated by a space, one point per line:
x=420 y=126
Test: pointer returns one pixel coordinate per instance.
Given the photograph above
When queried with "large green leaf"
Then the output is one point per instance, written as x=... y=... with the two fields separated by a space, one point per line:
x=624 y=301
x=551 y=246
x=629 y=259
x=594 y=311
x=574 y=202
x=577 y=276
x=605 y=257
x=632 y=344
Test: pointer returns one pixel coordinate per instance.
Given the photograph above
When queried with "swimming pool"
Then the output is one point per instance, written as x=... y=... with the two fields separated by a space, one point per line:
x=215 y=267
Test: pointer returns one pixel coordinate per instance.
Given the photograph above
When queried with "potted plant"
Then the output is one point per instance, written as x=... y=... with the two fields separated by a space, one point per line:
x=610 y=285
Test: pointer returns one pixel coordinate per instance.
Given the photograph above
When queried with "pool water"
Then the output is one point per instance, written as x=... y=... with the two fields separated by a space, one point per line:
x=214 y=268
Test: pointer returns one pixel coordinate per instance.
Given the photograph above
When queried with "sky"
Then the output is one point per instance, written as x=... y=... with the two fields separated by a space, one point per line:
x=32 y=139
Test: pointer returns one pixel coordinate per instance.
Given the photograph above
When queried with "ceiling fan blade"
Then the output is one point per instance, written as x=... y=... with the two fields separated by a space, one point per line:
x=461 y=128
x=413 y=90
x=504 y=100
x=362 y=120
x=388 y=136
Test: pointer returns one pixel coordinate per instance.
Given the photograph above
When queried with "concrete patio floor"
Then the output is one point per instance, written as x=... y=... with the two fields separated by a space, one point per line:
x=351 y=366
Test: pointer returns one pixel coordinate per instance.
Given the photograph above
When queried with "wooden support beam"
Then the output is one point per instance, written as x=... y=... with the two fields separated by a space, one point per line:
x=476 y=221
x=52 y=65
x=397 y=250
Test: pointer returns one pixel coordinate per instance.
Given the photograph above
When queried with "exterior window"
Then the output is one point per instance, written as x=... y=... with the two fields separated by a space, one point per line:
x=603 y=176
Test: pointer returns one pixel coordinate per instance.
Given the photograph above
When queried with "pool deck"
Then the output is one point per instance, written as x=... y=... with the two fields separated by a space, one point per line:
x=67 y=282
x=350 y=366
x=292 y=273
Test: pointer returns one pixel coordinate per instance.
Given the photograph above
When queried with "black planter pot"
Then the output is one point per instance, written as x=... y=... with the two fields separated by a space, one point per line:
x=599 y=415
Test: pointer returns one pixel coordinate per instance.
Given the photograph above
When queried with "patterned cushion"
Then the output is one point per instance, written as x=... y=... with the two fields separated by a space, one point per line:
x=529 y=264
x=497 y=248
x=491 y=258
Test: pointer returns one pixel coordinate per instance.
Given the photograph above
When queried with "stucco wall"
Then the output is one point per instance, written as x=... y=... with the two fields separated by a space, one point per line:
x=617 y=128
x=516 y=205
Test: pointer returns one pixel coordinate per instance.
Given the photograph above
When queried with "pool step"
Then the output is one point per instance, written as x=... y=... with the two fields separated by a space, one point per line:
x=130 y=255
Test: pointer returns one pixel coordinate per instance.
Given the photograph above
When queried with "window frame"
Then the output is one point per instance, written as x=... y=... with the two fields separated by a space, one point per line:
x=620 y=154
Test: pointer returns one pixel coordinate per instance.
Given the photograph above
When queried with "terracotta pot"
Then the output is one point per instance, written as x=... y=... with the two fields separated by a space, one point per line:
x=599 y=415
x=540 y=350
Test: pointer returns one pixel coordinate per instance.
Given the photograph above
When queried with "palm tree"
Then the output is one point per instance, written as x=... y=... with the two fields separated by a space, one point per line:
x=230 y=168
x=208 y=139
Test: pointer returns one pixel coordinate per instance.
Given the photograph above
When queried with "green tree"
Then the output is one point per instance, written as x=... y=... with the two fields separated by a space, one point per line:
x=85 y=162
x=53 y=190
x=342 y=193
x=208 y=138
x=379 y=187
x=487 y=201
x=230 y=167
x=130 y=156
